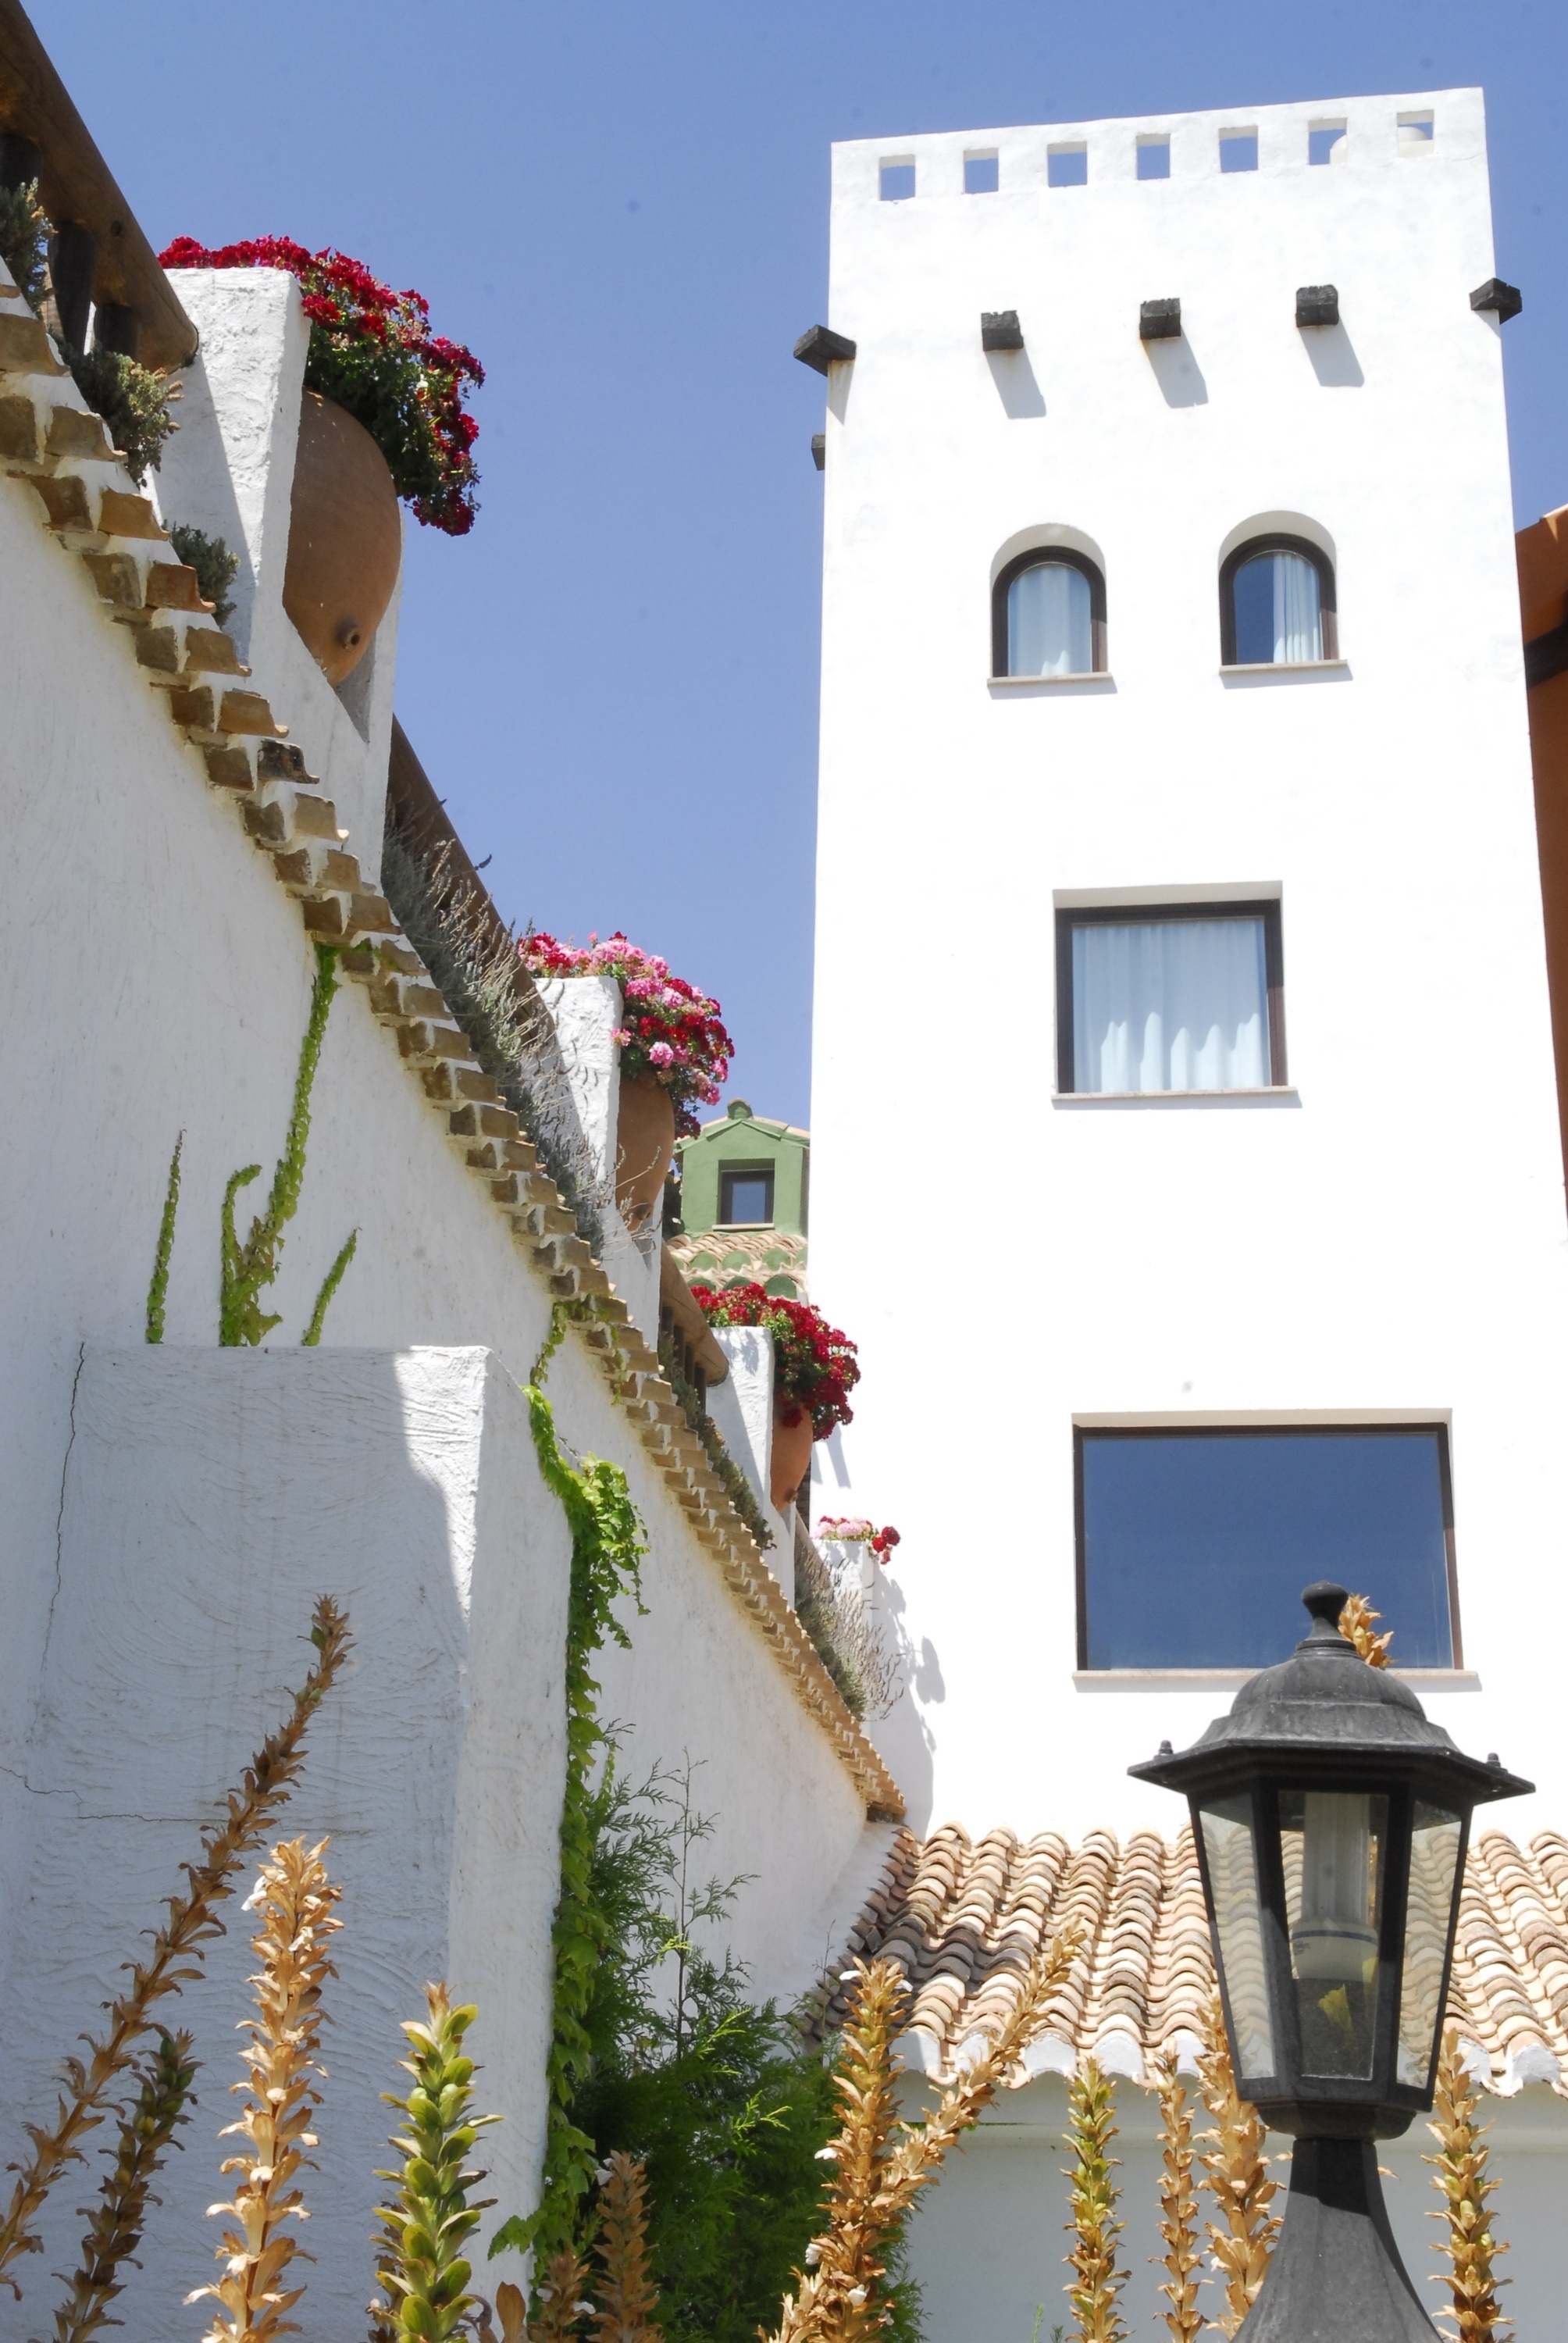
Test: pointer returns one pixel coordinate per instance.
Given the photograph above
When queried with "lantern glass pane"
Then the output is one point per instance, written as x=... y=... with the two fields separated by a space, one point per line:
x=1331 y=1843
x=1433 y=1868
x=1238 y=1921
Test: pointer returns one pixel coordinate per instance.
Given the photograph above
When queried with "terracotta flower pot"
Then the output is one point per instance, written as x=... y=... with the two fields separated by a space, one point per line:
x=644 y=1143
x=345 y=537
x=791 y=1458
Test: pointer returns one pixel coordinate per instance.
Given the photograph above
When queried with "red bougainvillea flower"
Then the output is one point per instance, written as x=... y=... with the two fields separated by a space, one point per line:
x=815 y=1365
x=372 y=350
x=670 y=1030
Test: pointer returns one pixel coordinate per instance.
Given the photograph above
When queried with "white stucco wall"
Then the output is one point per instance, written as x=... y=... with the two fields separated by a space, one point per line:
x=576 y=1082
x=987 y=2244
x=1387 y=1239
x=156 y=979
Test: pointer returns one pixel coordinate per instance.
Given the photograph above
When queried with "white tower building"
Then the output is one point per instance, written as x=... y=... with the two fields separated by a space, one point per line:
x=1186 y=1151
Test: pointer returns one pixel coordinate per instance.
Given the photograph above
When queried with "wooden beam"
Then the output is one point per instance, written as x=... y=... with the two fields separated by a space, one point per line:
x=76 y=187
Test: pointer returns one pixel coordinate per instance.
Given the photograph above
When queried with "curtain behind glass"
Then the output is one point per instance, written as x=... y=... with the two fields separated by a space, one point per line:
x=1048 y=628
x=1170 y=1005
x=1278 y=621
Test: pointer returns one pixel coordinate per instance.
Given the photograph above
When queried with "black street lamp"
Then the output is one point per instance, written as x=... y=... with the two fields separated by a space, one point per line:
x=1331 y=1821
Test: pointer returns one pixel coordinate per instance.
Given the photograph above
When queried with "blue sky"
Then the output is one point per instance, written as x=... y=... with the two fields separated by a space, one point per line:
x=622 y=208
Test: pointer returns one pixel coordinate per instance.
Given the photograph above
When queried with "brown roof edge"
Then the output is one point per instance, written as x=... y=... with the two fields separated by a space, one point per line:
x=76 y=185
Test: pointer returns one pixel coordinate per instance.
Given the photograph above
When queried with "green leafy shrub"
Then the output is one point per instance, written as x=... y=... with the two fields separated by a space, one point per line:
x=133 y=402
x=25 y=239
x=721 y=2098
x=215 y=567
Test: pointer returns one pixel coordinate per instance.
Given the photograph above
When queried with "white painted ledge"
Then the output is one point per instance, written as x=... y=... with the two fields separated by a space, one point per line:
x=1168 y=1098
x=1287 y=667
x=1038 y=682
x=1223 y=1679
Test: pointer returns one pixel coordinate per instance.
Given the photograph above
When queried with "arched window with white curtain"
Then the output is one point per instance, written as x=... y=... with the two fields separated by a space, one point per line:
x=1277 y=604
x=1047 y=615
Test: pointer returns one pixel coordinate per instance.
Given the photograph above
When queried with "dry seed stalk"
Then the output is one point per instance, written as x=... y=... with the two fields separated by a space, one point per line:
x=1469 y=2246
x=1178 y=2203
x=561 y=2302
x=296 y=1898
x=1238 y=2176
x=1096 y=2281
x=628 y=2296
x=191 y=1922
x=114 y=2226
x=1356 y=1626
x=875 y=2178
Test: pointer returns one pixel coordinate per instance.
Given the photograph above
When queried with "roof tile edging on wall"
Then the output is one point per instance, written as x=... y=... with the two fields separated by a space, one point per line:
x=964 y=1916
x=59 y=448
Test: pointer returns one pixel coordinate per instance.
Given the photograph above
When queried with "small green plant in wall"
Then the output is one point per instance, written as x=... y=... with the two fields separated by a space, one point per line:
x=248 y=1267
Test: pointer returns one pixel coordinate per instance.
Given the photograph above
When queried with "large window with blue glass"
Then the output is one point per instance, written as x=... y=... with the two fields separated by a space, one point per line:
x=1193 y=1547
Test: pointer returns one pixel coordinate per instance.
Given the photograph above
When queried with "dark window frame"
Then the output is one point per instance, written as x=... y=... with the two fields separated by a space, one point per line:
x=1041 y=557
x=1278 y=542
x=756 y=1168
x=1404 y=1430
x=1265 y=907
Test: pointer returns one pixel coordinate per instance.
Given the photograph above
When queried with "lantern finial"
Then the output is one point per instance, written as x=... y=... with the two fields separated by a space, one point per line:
x=1325 y=1601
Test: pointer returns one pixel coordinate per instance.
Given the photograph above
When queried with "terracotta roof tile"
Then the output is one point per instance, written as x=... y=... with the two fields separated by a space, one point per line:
x=964 y=1918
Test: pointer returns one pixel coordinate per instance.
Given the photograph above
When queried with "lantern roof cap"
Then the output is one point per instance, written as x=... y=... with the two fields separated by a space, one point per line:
x=1325 y=1702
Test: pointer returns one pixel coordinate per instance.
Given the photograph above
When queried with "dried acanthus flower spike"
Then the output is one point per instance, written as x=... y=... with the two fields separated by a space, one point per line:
x=882 y=2164
x=297 y=1924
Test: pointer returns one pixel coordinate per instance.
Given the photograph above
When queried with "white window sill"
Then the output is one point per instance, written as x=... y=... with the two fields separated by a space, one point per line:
x=1221 y=1679
x=1286 y=666
x=1035 y=682
x=1167 y=1098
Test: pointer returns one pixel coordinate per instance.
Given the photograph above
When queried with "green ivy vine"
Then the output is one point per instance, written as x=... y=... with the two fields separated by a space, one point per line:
x=609 y=1541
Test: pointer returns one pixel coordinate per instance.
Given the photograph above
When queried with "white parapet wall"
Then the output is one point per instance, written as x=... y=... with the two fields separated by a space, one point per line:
x=576 y=1080
x=742 y=1408
x=230 y=471
x=208 y=1499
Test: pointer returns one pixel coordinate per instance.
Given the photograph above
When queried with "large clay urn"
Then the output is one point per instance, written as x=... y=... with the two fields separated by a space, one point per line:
x=791 y=1458
x=645 y=1141
x=345 y=537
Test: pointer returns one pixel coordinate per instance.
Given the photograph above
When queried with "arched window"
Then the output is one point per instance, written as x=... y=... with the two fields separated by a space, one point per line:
x=1047 y=615
x=1277 y=604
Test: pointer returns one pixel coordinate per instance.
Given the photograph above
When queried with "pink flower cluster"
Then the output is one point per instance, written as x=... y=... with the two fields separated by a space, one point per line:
x=848 y=1530
x=670 y=1030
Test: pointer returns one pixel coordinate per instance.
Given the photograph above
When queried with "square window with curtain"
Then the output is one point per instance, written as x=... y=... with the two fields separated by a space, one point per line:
x=1193 y=1547
x=1173 y=996
x=745 y=1195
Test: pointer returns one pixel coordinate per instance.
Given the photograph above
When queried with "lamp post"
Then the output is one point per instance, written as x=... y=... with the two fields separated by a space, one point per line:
x=1332 y=1820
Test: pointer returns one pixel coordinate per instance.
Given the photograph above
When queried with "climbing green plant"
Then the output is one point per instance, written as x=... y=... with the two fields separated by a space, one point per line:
x=158 y=1291
x=607 y=1544
x=329 y=1285
x=248 y=1269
